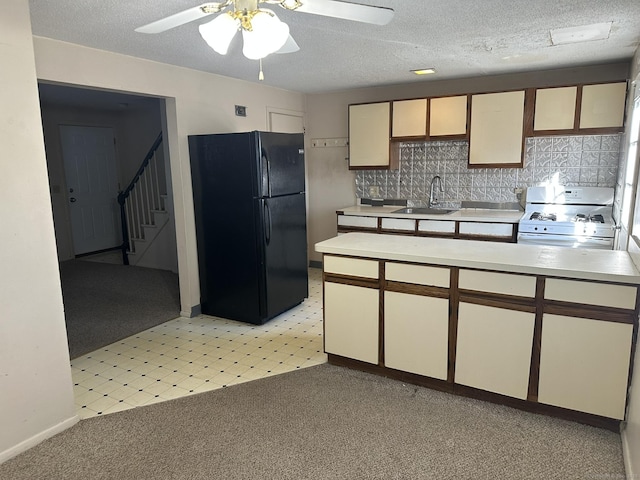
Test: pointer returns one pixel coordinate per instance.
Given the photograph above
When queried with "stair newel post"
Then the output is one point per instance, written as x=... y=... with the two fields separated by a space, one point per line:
x=125 y=234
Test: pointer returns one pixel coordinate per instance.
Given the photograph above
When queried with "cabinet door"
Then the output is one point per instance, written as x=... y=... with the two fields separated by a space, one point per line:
x=584 y=364
x=555 y=108
x=369 y=129
x=486 y=229
x=497 y=129
x=448 y=116
x=603 y=105
x=416 y=333
x=351 y=321
x=494 y=349
x=409 y=118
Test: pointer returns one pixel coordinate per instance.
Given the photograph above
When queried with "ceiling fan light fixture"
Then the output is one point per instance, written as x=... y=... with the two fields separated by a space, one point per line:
x=267 y=35
x=219 y=32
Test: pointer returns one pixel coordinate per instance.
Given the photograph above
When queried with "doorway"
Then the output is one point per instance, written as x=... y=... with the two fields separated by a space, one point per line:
x=103 y=302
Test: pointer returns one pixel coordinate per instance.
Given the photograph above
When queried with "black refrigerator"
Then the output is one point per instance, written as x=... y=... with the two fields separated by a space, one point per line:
x=250 y=215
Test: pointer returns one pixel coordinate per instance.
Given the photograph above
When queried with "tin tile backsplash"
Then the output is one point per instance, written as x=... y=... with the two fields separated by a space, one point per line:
x=590 y=160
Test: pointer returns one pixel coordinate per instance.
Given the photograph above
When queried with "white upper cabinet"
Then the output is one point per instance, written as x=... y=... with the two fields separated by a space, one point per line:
x=497 y=129
x=448 y=116
x=369 y=129
x=603 y=105
x=555 y=108
x=409 y=118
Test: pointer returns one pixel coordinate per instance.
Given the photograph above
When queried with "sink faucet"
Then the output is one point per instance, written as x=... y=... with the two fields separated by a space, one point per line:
x=433 y=194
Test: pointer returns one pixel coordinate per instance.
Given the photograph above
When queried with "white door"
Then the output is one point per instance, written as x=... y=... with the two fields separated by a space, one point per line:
x=286 y=122
x=92 y=187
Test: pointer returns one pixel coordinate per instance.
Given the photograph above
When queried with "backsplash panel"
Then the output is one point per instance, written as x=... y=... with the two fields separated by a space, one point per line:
x=590 y=160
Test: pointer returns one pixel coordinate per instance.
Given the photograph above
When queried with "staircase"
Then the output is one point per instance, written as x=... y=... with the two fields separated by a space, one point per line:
x=143 y=210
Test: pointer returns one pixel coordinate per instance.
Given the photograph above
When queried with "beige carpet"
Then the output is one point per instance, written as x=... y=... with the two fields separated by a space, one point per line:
x=323 y=422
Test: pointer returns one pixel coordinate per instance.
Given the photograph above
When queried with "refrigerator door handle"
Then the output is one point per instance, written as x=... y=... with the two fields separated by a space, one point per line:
x=265 y=162
x=267 y=219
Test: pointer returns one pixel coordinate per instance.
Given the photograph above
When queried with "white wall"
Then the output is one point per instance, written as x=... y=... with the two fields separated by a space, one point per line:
x=331 y=184
x=631 y=433
x=36 y=395
x=198 y=103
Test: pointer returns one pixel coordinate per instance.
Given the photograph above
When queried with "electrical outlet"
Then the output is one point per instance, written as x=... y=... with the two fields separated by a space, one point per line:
x=374 y=191
x=517 y=190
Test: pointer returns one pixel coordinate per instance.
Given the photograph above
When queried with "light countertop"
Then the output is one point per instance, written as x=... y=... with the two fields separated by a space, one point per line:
x=469 y=214
x=579 y=263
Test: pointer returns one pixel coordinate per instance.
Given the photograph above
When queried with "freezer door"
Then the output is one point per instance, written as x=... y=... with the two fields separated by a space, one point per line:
x=281 y=163
x=285 y=252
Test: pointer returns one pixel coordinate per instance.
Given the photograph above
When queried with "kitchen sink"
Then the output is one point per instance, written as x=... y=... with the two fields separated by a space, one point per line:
x=424 y=211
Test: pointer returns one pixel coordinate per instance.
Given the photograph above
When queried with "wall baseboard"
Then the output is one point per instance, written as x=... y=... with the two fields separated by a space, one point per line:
x=38 y=438
x=627 y=453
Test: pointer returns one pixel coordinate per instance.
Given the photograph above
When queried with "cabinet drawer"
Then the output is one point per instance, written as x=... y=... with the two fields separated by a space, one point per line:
x=351 y=266
x=504 y=283
x=591 y=293
x=584 y=364
x=436 y=226
x=354 y=221
x=399 y=224
x=417 y=274
x=486 y=229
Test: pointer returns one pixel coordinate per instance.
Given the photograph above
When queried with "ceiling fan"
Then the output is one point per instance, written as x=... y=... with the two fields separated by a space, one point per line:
x=263 y=33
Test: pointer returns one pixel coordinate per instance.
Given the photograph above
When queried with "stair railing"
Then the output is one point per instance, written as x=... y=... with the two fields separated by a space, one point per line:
x=139 y=199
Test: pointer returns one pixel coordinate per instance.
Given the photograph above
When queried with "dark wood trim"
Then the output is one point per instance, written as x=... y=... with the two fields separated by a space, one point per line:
x=498 y=300
x=349 y=229
x=413 y=289
x=529 y=111
x=387 y=231
x=464 y=391
x=454 y=303
x=534 y=368
x=496 y=165
x=381 y=275
x=593 y=312
x=486 y=238
x=350 y=280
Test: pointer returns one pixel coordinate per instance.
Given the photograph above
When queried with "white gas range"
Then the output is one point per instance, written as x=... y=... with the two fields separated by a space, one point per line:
x=568 y=217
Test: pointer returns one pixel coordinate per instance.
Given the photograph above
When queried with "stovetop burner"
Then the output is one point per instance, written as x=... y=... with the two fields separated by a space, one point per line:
x=581 y=217
x=551 y=217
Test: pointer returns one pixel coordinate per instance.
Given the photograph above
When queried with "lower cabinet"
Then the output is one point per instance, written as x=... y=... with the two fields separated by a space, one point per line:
x=489 y=318
x=416 y=332
x=584 y=364
x=351 y=321
x=493 y=349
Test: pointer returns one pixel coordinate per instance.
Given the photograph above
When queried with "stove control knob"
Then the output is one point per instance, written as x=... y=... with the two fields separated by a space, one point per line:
x=535 y=228
x=545 y=229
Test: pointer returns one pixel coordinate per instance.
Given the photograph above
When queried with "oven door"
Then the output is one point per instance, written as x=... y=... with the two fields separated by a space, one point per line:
x=565 y=241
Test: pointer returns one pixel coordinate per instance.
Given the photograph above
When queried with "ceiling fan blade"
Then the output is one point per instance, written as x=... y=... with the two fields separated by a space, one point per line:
x=347 y=11
x=173 y=21
x=289 y=46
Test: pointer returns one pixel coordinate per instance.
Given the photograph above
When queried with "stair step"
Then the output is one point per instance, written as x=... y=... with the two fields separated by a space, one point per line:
x=148 y=225
x=159 y=211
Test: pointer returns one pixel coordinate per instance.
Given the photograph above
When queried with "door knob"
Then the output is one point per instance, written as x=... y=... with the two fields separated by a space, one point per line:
x=72 y=199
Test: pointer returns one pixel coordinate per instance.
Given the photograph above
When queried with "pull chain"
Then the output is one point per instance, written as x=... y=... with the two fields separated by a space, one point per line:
x=261 y=74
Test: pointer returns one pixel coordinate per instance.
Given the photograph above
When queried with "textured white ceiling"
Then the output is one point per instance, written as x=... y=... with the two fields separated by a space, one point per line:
x=460 y=38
